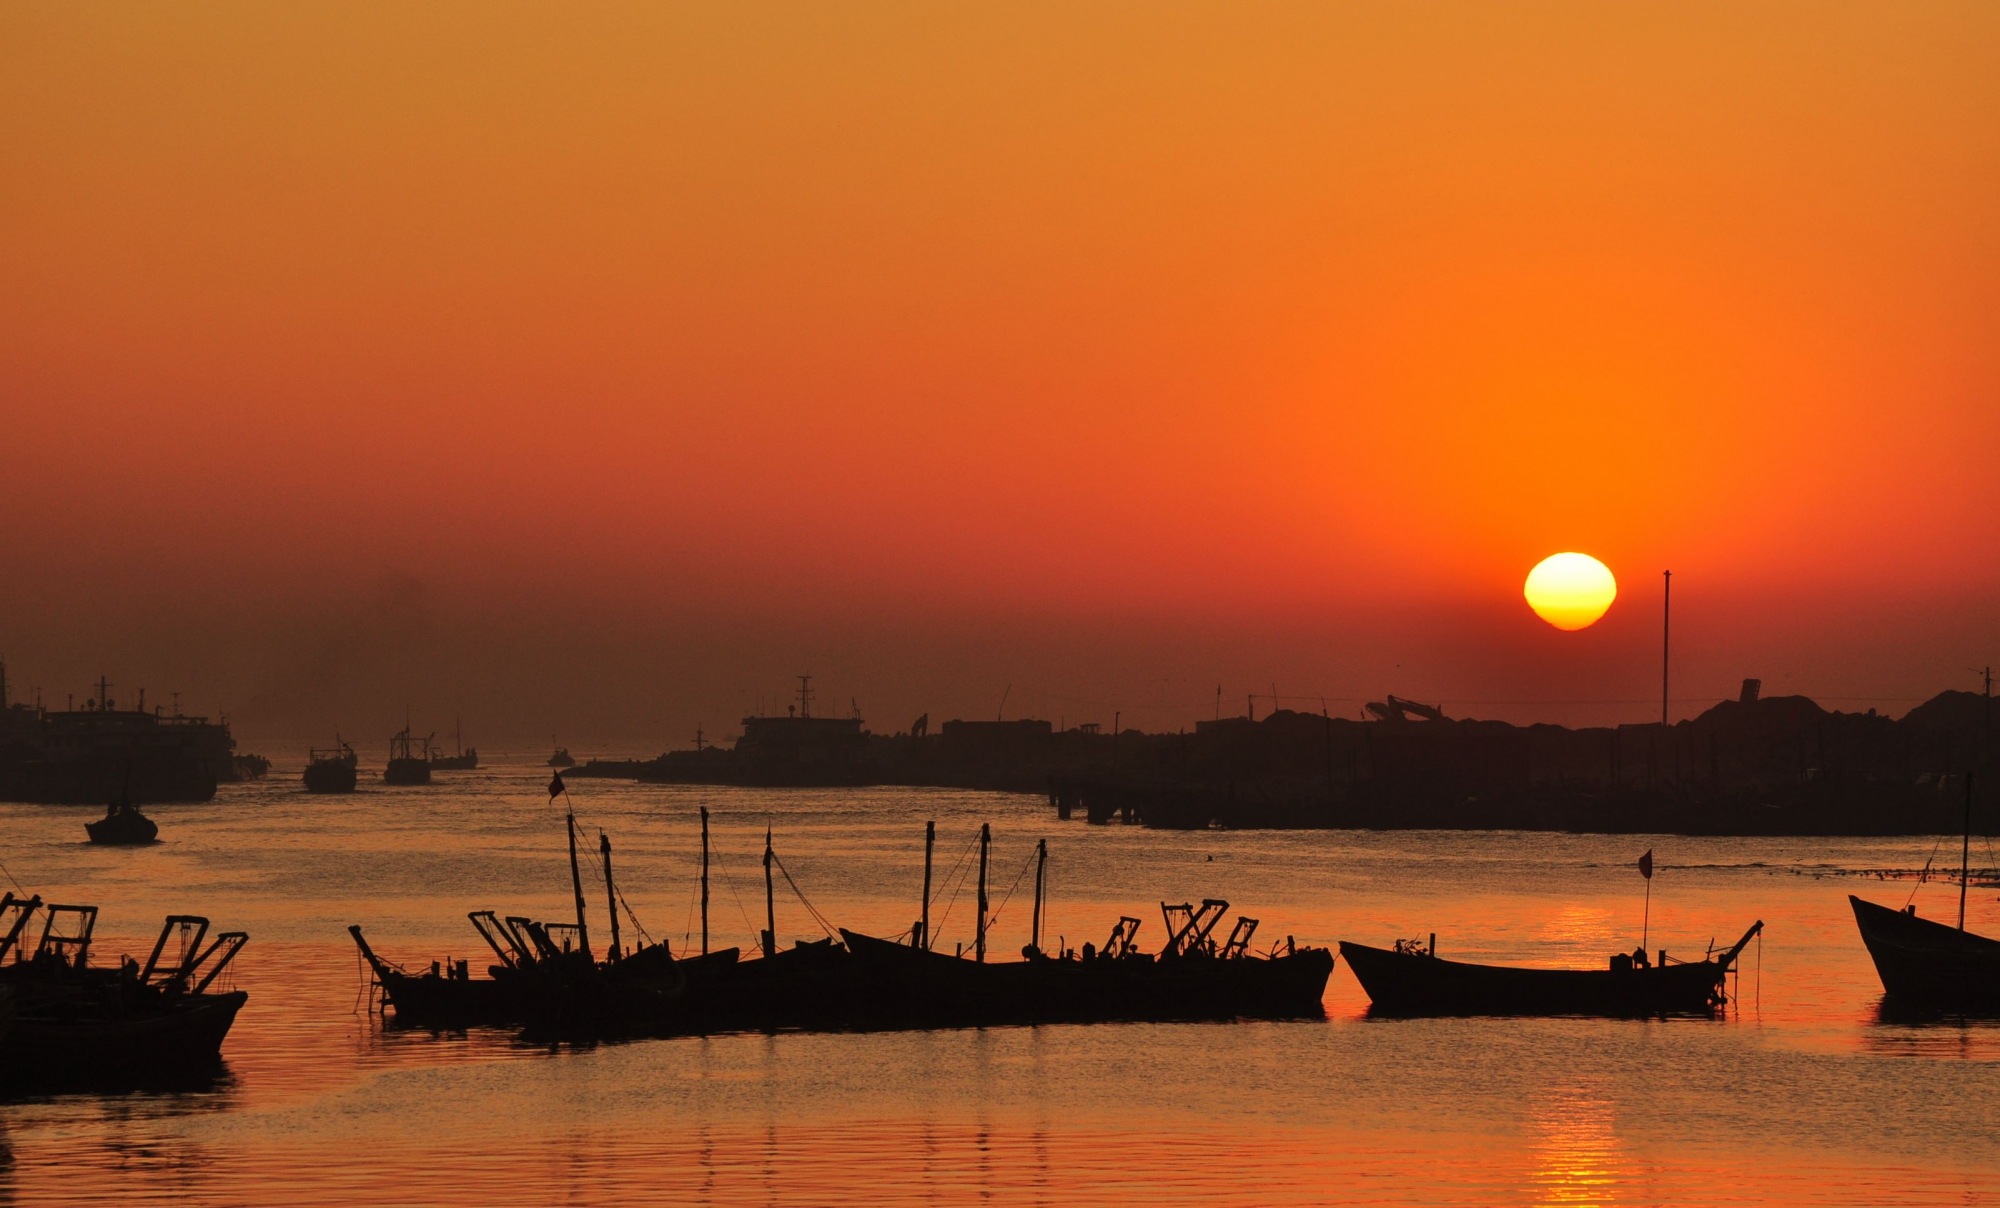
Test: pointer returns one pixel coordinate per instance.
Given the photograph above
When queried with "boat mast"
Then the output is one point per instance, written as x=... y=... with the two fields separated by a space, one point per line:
x=1041 y=865
x=576 y=883
x=924 y=926
x=704 y=880
x=1965 y=853
x=610 y=894
x=979 y=941
x=770 y=903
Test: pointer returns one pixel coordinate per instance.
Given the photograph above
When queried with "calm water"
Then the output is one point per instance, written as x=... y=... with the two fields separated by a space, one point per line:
x=1800 y=1095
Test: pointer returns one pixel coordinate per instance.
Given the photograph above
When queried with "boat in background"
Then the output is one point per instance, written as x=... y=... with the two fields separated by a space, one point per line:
x=333 y=770
x=561 y=759
x=409 y=759
x=1927 y=966
x=1411 y=979
x=122 y=826
x=465 y=758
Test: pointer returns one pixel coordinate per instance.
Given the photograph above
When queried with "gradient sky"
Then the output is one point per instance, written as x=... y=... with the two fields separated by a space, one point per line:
x=592 y=370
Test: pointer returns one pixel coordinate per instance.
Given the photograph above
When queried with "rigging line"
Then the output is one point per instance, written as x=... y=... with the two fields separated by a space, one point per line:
x=729 y=883
x=1925 y=874
x=995 y=916
x=963 y=855
x=960 y=888
x=812 y=910
x=17 y=884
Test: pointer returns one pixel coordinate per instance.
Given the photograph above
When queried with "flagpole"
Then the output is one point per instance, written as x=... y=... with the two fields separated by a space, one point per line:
x=1646 y=926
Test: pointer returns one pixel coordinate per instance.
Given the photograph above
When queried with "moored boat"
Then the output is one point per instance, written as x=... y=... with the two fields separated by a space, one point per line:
x=409 y=760
x=1927 y=966
x=1410 y=980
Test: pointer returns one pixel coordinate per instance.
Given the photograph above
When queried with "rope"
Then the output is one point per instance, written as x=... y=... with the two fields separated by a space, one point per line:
x=1925 y=874
x=993 y=918
x=16 y=884
x=954 y=893
x=819 y=918
x=715 y=856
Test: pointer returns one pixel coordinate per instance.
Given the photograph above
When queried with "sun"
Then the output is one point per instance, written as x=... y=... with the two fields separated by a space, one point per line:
x=1570 y=591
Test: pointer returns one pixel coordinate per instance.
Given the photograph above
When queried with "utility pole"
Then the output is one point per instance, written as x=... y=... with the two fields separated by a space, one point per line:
x=1666 y=643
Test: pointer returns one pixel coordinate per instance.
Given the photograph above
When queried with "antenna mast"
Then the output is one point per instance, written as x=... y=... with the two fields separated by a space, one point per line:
x=1666 y=623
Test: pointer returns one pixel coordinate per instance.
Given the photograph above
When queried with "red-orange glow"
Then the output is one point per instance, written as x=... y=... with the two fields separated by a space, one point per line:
x=1286 y=323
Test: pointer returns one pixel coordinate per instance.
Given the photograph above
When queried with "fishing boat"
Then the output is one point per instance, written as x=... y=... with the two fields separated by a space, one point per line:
x=73 y=1023
x=332 y=770
x=409 y=759
x=546 y=976
x=464 y=758
x=1411 y=979
x=1194 y=976
x=562 y=759
x=122 y=826
x=1928 y=966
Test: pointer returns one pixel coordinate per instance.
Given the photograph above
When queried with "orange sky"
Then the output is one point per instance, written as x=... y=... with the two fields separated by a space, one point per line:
x=598 y=368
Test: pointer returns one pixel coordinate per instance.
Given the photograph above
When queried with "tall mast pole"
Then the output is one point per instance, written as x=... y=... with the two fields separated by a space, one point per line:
x=1041 y=865
x=770 y=902
x=704 y=880
x=576 y=883
x=924 y=926
x=1666 y=646
x=979 y=940
x=610 y=894
x=1965 y=853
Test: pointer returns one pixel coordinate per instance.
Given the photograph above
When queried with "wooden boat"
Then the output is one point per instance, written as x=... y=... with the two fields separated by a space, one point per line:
x=546 y=977
x=122 y=826
x=1193 y=977
x=562 y=758
x=1928 y=966
x=1408 y=980
x=332 y=770
x=73 y=1024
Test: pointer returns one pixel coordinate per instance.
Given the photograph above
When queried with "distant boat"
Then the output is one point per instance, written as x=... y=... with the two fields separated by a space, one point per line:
x=1932 y=966
x=406 y=765
x=561 y=759
x=1408 y=980
x=466 y=758
x=122 y=826
x=331 y=771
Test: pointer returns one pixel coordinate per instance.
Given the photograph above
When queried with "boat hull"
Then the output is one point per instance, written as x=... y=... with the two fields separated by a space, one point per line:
x=407 y=771
x=330 y=776
x=1414 y=983
x=57 y=1047
x=1927 y=965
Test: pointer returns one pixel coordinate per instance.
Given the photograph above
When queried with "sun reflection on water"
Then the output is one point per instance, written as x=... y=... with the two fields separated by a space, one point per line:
x=1578 y=1160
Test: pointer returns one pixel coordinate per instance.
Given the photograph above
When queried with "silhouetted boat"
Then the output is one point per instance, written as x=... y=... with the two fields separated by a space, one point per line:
x=122 y=825
x=561 y=759
x=465 y=759
x=405 y=765
x=83 y=756
x=332 y=771
x=131 y=1026
x=1408 y=980
x=1927 y=966
x=1930 y=966
x=546 y=977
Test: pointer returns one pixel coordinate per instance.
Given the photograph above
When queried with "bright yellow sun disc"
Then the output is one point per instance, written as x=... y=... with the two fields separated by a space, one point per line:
x=1570 y=591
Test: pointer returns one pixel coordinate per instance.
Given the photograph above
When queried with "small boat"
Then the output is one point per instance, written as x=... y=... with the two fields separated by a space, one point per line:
x=137 y=1025
x=464 y=760
x=122 y=826
x=409 y=760
x=1410 y=980
x=1927 y=966
x=561 y=759
x=332 y=770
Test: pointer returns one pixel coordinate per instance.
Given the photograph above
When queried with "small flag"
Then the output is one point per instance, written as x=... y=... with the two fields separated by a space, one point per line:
x=1646 y=864
x=556 y=789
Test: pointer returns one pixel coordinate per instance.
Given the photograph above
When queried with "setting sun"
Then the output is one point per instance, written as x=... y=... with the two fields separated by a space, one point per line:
x=1570 y=591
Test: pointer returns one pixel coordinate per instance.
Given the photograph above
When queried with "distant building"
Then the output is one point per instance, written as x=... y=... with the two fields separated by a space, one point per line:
x=994 y=739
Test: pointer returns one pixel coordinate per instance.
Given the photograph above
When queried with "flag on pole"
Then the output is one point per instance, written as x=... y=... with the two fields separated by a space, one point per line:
x=1646 y=864
x=556 y=788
